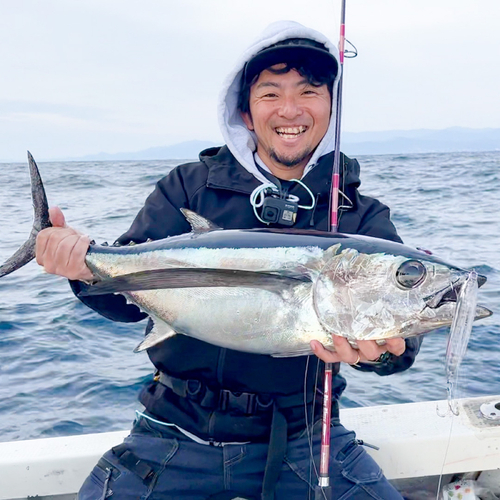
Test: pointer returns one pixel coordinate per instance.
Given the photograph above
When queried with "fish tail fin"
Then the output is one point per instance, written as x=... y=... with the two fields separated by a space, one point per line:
x=41 y=221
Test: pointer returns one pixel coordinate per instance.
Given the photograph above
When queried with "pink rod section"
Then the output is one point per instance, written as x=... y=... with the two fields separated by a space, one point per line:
x=335 y=202
x=327 y=417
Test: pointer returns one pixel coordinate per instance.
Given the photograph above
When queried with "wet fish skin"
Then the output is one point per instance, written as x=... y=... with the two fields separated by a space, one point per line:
x=349 y=288
x=297 y=286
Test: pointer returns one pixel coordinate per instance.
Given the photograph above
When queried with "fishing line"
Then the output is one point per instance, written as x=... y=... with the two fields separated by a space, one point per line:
x=444 y=459
x=311 y=422
x=458 y=340
x=350 y=205
x=306 y=418
x=307 y=422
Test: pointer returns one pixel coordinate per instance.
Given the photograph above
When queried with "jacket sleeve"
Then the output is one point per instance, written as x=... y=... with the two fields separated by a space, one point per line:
x=390 y=363
x=160 y=217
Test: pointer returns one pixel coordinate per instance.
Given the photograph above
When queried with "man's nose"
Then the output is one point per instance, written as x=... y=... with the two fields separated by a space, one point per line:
x=289 y=108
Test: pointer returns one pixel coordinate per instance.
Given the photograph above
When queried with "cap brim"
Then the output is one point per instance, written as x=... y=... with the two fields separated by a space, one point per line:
x=286 y=54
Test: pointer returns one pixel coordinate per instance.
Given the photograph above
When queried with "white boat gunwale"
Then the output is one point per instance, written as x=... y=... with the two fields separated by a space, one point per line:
x=414 y=442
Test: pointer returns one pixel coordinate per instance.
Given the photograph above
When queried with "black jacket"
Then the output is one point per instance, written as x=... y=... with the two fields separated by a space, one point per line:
x=218 y=188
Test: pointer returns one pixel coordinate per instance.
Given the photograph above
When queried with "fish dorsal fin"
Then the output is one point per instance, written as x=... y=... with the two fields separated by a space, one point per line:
x=198 y=223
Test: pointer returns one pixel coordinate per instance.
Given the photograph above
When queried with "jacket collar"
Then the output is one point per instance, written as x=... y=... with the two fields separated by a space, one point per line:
x=224 y=172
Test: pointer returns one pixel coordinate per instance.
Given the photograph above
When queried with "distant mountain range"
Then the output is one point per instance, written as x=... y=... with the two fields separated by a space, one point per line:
x=449 y=140
x=182 y=151
x=455 y=139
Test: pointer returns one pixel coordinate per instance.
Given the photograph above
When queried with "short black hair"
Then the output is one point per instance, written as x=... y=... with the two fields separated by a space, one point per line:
x=309 y=58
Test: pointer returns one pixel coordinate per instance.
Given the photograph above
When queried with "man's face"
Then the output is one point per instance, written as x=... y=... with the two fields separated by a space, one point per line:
x=289 y=117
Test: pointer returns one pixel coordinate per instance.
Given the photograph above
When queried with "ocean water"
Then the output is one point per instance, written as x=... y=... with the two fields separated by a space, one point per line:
x=66 y=370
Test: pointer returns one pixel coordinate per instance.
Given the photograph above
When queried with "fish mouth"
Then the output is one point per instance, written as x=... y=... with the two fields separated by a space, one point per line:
x=451 y=292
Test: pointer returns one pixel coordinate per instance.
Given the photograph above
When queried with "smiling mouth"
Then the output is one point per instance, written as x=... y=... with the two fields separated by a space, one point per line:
x=290 y=132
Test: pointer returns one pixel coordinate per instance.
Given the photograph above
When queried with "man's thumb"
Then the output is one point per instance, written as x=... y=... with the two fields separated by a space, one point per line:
x=57 y=217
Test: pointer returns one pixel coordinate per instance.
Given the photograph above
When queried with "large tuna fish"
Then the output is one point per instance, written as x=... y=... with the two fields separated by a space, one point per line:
x=270 y=291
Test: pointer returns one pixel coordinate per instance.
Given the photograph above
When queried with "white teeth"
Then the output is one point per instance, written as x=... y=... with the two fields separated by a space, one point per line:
x=291 y=131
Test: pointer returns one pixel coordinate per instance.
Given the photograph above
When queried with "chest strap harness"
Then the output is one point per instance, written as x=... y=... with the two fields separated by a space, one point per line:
x=246 y=403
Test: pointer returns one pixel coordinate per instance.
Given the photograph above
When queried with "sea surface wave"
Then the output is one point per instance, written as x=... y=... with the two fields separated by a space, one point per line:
x=66 y=370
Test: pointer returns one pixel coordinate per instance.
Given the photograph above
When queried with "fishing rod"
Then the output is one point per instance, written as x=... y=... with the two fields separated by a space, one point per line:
x=334 y=198
x=323 y=491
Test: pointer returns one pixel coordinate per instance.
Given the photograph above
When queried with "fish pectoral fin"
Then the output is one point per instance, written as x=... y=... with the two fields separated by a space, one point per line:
x=159 y=333
x=159 y=279
x=199 y=224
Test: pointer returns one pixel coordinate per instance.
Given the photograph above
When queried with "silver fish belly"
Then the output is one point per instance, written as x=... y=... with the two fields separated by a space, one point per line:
x=252 y=319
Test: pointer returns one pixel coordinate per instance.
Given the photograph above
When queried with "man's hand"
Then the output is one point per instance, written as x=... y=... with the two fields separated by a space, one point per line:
x=61 y=249
x=368 y=350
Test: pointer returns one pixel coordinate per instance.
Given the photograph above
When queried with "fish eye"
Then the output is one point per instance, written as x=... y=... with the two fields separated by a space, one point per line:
x=411 y=273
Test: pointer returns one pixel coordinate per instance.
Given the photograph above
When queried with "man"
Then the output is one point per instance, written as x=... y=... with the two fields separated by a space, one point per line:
x=220 y=423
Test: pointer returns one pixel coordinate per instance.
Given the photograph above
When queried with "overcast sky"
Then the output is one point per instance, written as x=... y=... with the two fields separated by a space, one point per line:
x=84 y=76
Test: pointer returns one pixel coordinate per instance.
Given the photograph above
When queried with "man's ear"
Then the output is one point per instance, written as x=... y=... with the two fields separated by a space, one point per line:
x=247 y=118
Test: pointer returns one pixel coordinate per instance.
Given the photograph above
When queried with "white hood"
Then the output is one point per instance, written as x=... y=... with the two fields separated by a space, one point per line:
x=242 y=142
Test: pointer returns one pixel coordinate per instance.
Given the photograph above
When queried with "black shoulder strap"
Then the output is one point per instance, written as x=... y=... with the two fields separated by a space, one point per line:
x=276 y=454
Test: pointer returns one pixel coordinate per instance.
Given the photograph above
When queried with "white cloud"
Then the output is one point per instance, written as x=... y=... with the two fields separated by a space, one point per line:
x=125 y=75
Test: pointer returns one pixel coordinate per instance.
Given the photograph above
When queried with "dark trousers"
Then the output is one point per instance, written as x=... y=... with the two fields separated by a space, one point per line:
x=160 y=463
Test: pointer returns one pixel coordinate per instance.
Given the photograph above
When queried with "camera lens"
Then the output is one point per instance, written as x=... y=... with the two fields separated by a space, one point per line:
x=271 y=214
